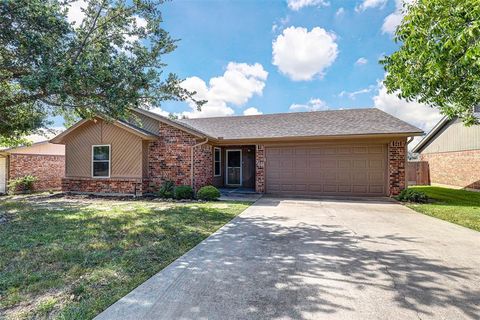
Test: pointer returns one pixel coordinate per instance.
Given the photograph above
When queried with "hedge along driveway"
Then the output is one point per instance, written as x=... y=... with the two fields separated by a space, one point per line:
x=70 y=258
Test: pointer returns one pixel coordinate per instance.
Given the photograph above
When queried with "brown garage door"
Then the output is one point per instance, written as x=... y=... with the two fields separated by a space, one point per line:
x=327 y=170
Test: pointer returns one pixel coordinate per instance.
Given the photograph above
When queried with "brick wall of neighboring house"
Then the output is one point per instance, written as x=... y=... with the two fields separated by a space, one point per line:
x=260 y=168
x=170 y=159
x=48 y=169
x=125 y=186
x=458 y=168
x=397 y=154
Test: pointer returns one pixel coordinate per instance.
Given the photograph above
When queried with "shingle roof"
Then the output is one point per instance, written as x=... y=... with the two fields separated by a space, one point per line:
x=303 y=124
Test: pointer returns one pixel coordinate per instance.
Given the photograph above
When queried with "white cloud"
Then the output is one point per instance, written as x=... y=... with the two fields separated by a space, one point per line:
x=236 y=86
x=368 y=4
x=159 y=111
x=296 y=5
x=340 y=12
x=280 y=24
x=75 y=14
x=353 y=94
x=251 y=112
x=45 y=134
x=391 y=22
x=311 y=105
x=303 y=54
x=417 y=114
x=361 y=61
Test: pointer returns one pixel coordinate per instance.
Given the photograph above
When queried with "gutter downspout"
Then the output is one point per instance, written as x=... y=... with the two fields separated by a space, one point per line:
x=191 y=155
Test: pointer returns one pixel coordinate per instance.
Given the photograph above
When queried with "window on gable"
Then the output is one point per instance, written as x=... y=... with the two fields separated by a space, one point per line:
x=101 y=161
x=217 y=162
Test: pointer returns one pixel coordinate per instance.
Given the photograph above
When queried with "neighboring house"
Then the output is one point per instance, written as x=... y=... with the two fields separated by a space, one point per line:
x=452 y=151
x=44 y=160
x=342 y=152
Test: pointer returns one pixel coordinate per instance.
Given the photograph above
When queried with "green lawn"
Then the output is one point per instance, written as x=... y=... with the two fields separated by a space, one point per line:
x=70 y=258
x=456 y=206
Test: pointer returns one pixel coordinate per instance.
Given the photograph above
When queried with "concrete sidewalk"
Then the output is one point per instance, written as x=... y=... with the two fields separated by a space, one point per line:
x=319 y=259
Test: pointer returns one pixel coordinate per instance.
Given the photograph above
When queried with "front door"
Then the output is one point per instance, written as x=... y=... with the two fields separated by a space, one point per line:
x=234 y=167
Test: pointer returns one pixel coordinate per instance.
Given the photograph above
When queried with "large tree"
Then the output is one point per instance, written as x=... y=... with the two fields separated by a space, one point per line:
x=106 y=63
x=438 y=62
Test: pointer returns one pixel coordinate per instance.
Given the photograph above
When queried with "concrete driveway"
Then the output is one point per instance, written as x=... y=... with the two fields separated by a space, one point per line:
x=319 y=259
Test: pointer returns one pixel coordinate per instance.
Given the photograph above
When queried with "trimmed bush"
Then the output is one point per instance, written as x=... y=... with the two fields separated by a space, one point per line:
x=208 y=193
x=412 y=195
x=166 y=191
x=183 y=192
x=23 y=184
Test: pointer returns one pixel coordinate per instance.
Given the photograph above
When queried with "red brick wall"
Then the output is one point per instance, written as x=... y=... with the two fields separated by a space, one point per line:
x=170 y=159
x=49 y=169
x=106 y=186
x=203 y=166
x=260 y=168
x=397 y=154
x=459 y=168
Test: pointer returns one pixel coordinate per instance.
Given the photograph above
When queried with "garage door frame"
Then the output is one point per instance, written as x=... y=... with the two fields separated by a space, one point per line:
x=330 y=143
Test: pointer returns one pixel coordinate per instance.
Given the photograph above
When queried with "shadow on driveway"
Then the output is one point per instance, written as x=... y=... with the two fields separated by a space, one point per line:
x=311 y=260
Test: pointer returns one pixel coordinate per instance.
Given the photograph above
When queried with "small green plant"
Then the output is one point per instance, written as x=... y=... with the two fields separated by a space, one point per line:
x=22 y=185
x=411 y=195
x=208 y=193
x=184 y=192
x=166 y=191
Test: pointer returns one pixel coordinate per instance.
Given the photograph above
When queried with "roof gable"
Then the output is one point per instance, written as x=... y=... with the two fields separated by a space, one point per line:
x=121 y=124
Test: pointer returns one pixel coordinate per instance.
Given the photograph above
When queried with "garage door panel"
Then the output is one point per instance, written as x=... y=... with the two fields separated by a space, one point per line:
x=328 y=163
x=360 y=164
x=360 y=189
x=361 y=150
x=375 y=164
x=344 y=164
x=327 y=170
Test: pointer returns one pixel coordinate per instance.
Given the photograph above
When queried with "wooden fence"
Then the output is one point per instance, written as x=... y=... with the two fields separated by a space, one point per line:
x=418 y=173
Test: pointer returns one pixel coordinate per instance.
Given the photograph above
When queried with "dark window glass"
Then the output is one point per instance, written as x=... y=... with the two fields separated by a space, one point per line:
x=101 y=161
x=234 y=159
x=101 y=153
x=217 y=161
x=100 y=169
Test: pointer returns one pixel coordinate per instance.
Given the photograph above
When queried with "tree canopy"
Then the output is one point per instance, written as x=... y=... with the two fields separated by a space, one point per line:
x=107 y=63
x=438 y=62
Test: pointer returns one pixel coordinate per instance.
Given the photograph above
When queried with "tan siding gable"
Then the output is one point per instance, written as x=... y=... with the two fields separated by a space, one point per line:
x=454 y=137
x=41 y=148
x=126 y=150
x=146 y=123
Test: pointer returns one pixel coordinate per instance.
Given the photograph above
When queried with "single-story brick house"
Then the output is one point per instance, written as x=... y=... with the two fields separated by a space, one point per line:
x=44 y=160
x=452 y=151
x=342 y=152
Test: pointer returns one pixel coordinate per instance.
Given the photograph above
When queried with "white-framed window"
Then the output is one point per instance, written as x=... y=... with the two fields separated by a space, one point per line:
x=101 y=155
x=217 y=162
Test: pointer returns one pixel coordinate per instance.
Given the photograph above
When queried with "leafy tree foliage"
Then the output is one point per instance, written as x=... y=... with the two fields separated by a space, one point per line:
x=106 y=63
x=438 y=62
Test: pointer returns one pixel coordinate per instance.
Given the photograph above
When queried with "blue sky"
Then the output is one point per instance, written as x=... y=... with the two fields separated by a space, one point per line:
x=214 y=33
x=251 y=57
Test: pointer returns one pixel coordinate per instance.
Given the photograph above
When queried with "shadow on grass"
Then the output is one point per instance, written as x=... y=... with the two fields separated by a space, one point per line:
x=87 y=255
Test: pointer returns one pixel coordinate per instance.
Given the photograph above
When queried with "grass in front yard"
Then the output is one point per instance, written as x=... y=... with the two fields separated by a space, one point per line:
x=71 y=258
x=457 y=206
